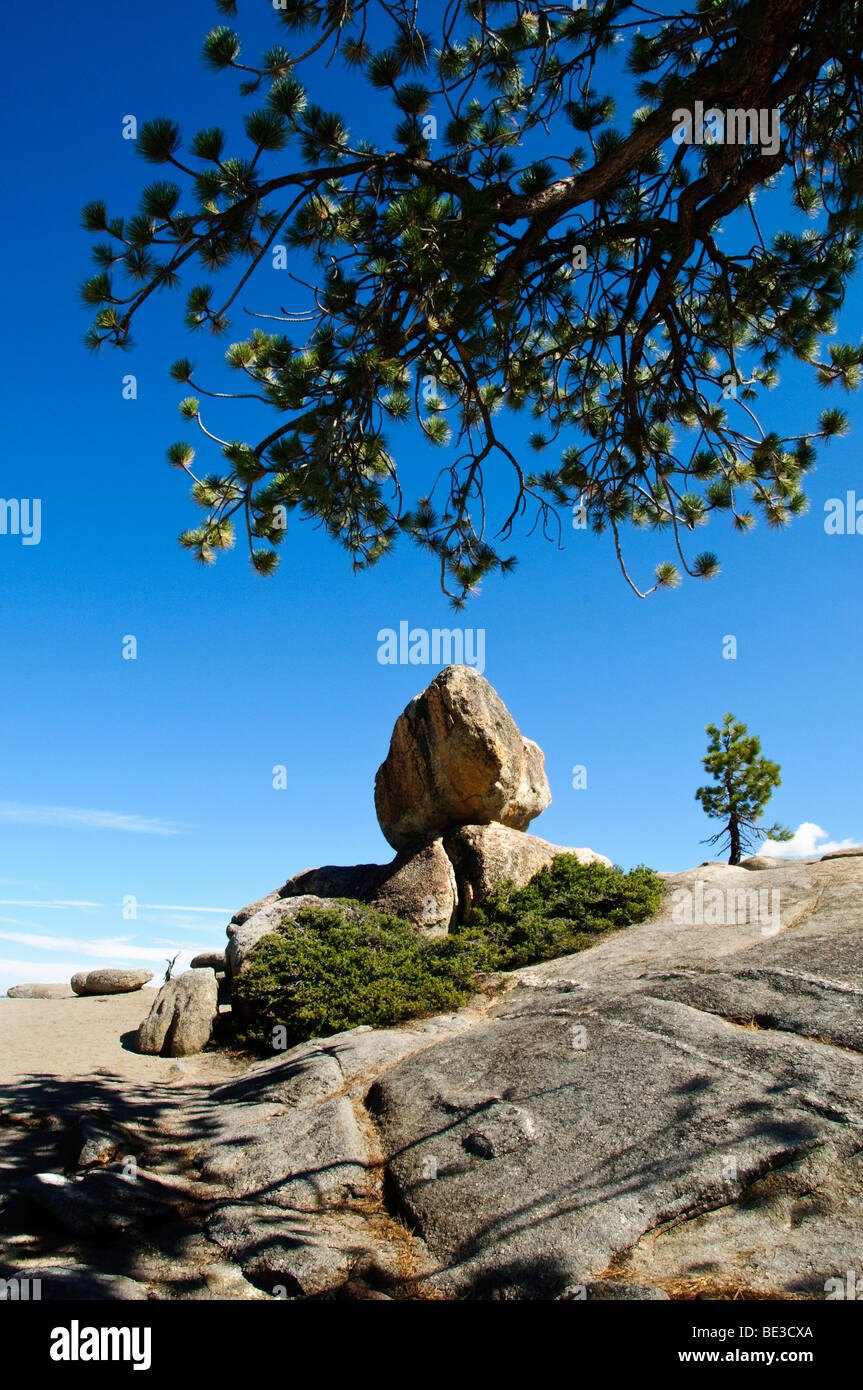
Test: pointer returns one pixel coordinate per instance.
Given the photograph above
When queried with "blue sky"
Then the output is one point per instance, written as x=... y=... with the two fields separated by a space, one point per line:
x=152 y=779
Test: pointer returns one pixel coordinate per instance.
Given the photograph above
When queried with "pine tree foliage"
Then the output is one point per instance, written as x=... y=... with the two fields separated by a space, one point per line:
x=457 y=258
x=744 y=783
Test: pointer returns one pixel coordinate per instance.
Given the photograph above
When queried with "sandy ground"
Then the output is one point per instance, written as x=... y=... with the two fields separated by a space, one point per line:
x=91 y=1038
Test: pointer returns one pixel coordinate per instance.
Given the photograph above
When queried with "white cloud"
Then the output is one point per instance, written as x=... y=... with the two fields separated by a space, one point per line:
x=18 y=922
x=105 y=949
x=182 y=924
x=803 y=844
x=25 y=972
x=56 y=904
x=39 y=902
x=166 y=907
x=67 y=817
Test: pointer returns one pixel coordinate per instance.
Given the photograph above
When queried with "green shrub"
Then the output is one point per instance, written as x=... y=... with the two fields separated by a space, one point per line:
x=559 y=912
x=323 y=972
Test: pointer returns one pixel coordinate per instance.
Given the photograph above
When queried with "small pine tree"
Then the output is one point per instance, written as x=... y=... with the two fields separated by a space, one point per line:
x=745 y=783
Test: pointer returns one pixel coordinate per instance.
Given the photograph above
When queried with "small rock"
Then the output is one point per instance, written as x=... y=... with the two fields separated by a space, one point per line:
x=37 y=991
x=305 y=1159
x=421 y=887
x=209 y=960
x=102 y=1200
x=358 y=881
x=102 y=1141
x=290 y=1256
x=251 y=910
x=183 y=1016
x=110 y=981
x=605 y=1290
x=356 y=1289
x=767 y=861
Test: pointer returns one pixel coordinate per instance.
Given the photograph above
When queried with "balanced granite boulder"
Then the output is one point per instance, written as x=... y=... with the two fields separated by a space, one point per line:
x=456 y=757
x=454 y=796
x=183 y=1016
x=484 y=855
x=110 y=981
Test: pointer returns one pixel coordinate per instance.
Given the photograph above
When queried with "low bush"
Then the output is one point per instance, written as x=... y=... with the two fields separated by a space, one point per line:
x=561 y=911
x=323 y=972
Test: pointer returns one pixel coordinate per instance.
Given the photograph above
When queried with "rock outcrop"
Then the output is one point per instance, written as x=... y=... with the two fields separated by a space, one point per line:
x=483 y=855
x=675 y=1112
x=245 y=936
x=418 y=884
x=182 y=1017
x=457 y=758
x=678 y=1106
x=454 y=796
x=110 y=981
x=421 y=886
